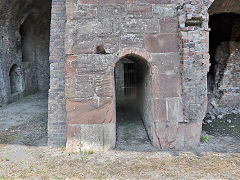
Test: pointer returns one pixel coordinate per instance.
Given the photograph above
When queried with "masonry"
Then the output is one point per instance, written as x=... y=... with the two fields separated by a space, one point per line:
x=165 y=43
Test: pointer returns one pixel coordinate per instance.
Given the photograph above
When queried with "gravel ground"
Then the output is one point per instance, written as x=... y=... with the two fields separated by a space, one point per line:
x=24 y=154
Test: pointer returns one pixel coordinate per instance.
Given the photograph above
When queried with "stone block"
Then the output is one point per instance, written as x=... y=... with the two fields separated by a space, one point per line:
x=160 y=110
x=166 y=62
x=166 y=85
x=162 y=43
x=166 y=133
x=139 y=26
x=180 y=138
x=92 y=137
x=109 y=136
x=89 y=26
x=79 y=87
x=140 y=10
x=94 y=64
x=95 y=137
x=131 y=40
x=75 y=11
x=192 y=135
x=168 y=26
x=90 y=112
x=165 y=10
x=110 y=10
x=73 y=138
x=104 y=85
x=86 y=44
x=175 y=109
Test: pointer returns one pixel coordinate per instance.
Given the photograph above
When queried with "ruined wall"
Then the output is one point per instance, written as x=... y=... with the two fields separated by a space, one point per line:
x=148 y=29
x=194 y=32
x=224 y=51
x=10 y=55
x=230 y=82
x=21 y=42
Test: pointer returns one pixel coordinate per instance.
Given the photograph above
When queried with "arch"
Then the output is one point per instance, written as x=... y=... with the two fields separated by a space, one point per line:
x=133 y=82
x=223 y=6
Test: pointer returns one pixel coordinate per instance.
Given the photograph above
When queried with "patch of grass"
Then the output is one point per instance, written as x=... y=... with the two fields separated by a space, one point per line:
x=63 y=148
x=204 y=139
x=217 y=96
x=85 y=154
x=99 y=174
x=220 y=104
x=3 y=177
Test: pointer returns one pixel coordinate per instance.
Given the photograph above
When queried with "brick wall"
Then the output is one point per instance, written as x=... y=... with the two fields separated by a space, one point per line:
x=56 y=104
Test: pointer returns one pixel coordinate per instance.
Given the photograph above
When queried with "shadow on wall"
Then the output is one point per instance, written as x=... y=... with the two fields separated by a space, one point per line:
x=15 y=77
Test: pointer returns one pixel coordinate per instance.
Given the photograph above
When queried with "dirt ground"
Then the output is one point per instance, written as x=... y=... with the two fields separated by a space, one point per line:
x=24 y=154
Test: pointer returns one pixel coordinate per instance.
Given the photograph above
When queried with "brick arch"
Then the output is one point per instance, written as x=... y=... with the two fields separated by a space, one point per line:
x=222 y=6
x=141 y=53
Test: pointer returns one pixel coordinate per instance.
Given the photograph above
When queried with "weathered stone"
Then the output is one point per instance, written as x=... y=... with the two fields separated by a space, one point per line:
x=174 y=110
x=161 y=37
x=91 y=137
x=163 y=43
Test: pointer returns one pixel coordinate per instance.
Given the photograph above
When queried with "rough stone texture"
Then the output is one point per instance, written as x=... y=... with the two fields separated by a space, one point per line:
x=230 y=84
x=169 y=37
x=224 y=50
x=146 y=32
x=56 y=101
x=24 y=45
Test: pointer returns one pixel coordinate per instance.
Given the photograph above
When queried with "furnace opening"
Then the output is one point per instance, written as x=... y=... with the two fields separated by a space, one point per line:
x=132 y=90
x=223 y=77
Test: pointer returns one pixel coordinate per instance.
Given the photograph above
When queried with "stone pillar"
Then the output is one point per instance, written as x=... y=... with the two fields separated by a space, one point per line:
x=56 y=101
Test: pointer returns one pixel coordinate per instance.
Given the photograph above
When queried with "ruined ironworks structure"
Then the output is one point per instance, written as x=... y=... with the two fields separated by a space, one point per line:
x=94 y=56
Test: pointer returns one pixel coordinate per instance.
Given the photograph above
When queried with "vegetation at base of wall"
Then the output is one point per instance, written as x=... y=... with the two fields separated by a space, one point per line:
x=85 y=154
x=100 y=174
x=217 y=96
x=220 y=104
x=204 y=139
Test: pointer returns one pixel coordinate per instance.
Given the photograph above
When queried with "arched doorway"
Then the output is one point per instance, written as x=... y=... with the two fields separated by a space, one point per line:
x=133 y=102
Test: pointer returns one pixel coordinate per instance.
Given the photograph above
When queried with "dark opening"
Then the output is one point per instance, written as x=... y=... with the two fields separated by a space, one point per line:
x=130 y=79
x=222 y=121
x=223 y=31
x=15 y=83
x=133 y=103
x=35 y=37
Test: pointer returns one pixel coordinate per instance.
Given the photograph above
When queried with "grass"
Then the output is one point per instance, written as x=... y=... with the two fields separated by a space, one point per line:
x=85 y=154
x=204 y=139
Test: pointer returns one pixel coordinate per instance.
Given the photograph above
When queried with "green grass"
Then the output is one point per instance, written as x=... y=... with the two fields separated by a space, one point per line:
x=204 y=139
